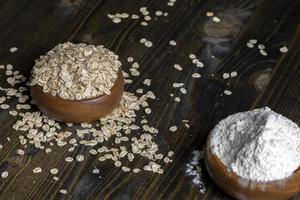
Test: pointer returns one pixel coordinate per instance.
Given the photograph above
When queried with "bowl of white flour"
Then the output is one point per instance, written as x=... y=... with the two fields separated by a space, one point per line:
x=255 y=155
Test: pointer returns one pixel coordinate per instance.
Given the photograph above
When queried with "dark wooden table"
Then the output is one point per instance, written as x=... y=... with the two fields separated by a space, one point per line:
x=36 y=26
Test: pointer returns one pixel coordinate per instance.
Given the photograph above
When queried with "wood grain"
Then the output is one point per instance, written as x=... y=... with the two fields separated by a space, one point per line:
x=35 y=26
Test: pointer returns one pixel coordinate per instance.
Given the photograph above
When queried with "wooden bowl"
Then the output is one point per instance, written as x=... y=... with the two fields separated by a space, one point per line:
x=248 y=190
x=77 y=111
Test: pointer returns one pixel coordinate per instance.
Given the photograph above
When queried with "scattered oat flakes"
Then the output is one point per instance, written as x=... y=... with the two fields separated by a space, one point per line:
x=4 y=174
x=134 y=16
x=178 y=67
x=20 y=152
x=166 y=160
x=63 y=191
x=140 y=91
x=69 y=159
x=13 y=49
x=48 y=150
x=158 y=13
x=136 y=170
x=4 y=106
x=253 y=41
x=54 y=171
x=96 y=171
x=145 y=24
x=177 y=85
x=144 y=10
x=143 y=40
x=148 y=44
x=196 y=75
x=216 y=19
x=209 y=14
x=102 y=158
x=170 y=3
x=263 y=52
x=233 y=74
x=118 y=163
x=183 y=90
x=261 y=46
x=37 y=170
x=147 y=82
x=13 y=112
x=40 y=131
x=9 y=67
x=186 y=125
x=93 y=151
x=250 y=45
x=197 y=62
x=226 y=75
x=200 y=64
x=135 y=65
x=170 y=153
x=130 y=59
x=173 y=128
x=177 y=99
x=227 y=92
x=147 y=111
x=147 y=18
x=172 y=43
x=134 y=72
x=192 y=56
x=283 y=49
x=2 y=100
x=125 y=169
x=116 y=20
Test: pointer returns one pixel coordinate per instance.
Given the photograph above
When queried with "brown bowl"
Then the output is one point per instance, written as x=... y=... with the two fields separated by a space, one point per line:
x=77 y=111
x=238 y=188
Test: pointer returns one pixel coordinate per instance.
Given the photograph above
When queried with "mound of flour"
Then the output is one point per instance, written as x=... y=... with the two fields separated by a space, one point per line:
x=259 y=145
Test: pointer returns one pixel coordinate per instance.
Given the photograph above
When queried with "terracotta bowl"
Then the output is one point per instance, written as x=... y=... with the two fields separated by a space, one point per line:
x=77 y=111
x=238 y=188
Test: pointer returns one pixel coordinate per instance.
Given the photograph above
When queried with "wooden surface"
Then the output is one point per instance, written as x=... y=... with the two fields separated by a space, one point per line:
x=36 y=26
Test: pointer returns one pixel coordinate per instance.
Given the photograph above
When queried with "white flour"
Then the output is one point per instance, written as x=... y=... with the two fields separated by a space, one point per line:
x=258 y=145
x=193 y=169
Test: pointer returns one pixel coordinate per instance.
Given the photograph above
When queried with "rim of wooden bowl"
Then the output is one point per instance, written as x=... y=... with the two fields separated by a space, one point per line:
x=53 y=113
x=280 y=189
x=120 y=75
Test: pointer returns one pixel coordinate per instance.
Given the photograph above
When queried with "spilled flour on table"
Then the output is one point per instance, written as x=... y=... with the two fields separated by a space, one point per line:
x=193 y=170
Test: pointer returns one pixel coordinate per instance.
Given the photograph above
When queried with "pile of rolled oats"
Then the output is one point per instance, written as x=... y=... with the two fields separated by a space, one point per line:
x=76 y=71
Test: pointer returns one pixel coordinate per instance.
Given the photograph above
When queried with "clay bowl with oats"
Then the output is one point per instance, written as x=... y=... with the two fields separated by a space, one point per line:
x=77 y=111
x=238 y=188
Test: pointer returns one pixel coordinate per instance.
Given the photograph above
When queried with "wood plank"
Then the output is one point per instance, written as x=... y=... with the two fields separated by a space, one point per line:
x=282 y=93
x=34 y=27
x=205 y=106
x=42 y=25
